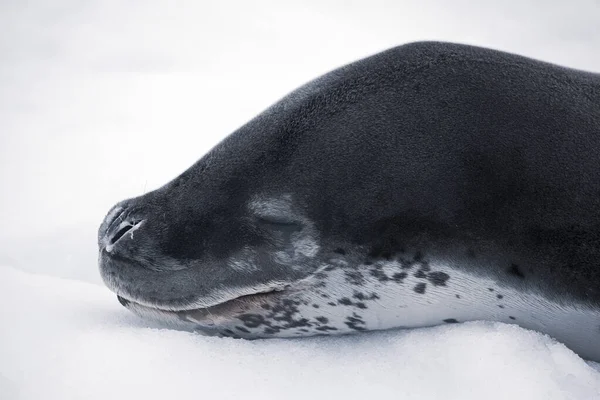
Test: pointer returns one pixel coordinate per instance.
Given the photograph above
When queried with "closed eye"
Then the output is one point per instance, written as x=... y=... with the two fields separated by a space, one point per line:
x=279 y=223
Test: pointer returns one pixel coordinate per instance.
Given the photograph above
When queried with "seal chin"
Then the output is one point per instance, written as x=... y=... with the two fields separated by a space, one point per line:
x=205 y=318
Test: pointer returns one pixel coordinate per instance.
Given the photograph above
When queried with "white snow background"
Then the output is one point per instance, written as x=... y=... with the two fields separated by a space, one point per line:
x=102 y=100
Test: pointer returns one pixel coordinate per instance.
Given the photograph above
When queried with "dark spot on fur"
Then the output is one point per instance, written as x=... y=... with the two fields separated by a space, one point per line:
x=457 y=296
x=438 y=278
x=271 y=331
x=491 y=289
x=340 y=251
x=229 y=332
x=355 y=278
x=242 y=329
x=355 y=322
x=515 y=270
x=380 y=275
x=322 y=320
x=325 y=296
x=500 y=306
x=266 y=306
x=345 y=301
x=315 y=305
x=420 y=288
x=331 y=303
x=284 y=312
x=304 y=330
x=361 y=305
x=420 y=274
x=297 y=323
x=499 y=296
x=362 y=296
x=359 y=296
x=398 y=277
x=451 y=321
x=325 y=328
x=354 y=326
x=511 y=317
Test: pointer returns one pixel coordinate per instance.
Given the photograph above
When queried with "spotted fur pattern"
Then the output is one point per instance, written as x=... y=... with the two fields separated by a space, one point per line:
x=343 y=297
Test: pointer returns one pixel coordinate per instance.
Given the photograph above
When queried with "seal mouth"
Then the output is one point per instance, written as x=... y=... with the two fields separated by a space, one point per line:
x=210 y=316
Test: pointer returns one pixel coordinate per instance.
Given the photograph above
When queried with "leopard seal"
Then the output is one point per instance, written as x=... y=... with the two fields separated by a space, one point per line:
x=431 y=183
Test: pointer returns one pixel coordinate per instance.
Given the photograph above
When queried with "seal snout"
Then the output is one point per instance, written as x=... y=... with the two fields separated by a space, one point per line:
x=119 y=224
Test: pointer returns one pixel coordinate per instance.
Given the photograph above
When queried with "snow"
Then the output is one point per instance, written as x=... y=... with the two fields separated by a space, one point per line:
x=72 y=340
x=104 y=99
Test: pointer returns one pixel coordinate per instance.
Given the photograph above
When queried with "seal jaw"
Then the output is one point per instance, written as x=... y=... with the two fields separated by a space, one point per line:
x=181 y=289
x=204 y=317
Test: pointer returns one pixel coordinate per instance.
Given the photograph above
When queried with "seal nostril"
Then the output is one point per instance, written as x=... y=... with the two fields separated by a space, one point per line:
x=120 y=233
x=116 y=232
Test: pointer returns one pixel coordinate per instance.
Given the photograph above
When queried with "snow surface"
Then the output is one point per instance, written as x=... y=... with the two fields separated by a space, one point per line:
x=72 y=340
x=106 y=99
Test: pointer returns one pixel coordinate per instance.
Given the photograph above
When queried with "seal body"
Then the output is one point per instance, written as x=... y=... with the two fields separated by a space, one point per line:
x=431 y=183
